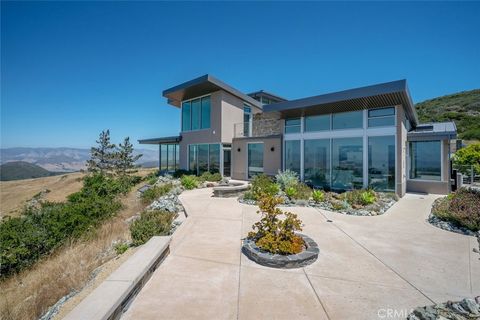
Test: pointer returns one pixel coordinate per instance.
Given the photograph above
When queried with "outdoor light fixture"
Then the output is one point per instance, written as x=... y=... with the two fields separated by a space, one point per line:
x=272 y=149
x=238 y=149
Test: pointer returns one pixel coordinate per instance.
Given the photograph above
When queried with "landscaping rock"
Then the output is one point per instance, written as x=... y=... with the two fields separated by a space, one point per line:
x=462 y=310
x=168 y=203
x=449 y=226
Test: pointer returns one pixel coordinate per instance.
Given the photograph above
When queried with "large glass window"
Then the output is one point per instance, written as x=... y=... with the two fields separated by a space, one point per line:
x=192 y=157
x=347 y=120
x=292 y=155
x=292 y=125
x=347 y=163
x=317 y=162
x=255 y=159
x=214 y=158
x=196 y=108
x=196 y=114
x=317 y=123
x=381 y=117
x=168 y=157
x=186 y=116
x=202 y=158
x=425 y=160
x=205 y=121
x=381 y=163
x=247 y=120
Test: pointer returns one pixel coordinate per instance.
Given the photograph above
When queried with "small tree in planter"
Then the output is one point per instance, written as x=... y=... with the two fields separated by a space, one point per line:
x=273 y=234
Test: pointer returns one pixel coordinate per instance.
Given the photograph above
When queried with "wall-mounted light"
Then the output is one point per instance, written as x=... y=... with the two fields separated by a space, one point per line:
x=272 y=149
x=239 y=149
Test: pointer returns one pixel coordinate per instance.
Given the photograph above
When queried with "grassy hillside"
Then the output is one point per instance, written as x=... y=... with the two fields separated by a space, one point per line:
x=462 y=107
x=17 y=170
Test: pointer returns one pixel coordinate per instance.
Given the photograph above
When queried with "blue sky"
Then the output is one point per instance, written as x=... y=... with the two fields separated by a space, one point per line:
x=71 y=69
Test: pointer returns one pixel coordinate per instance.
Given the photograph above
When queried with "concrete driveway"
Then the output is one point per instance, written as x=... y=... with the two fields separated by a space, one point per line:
x=368 y=267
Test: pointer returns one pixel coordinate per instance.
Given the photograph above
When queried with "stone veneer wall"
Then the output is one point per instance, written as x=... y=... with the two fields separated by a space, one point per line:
x=266 y=124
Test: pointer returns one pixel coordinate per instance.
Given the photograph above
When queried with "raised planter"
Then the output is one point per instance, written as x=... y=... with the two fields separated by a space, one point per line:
x=302 y=259
x=233 y=189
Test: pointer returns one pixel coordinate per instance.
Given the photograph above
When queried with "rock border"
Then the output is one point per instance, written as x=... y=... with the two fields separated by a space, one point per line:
x=264 y=258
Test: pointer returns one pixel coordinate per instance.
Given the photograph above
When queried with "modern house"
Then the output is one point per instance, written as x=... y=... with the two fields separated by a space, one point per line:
x=357 y=138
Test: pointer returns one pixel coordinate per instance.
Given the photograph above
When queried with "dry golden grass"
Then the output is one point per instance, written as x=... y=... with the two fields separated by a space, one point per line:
x=14 y=194
x=29 y=294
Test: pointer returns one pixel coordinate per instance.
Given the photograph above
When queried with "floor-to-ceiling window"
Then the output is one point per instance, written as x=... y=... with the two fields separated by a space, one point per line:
x=214 y=158
x=247 y=121
x=317 y=162
x=347 y=163
x=255 y=159
x=169 y=157
x=381 y=163
x=347 y=120
x=292 y=155
x=425 y=160
x=204 y=157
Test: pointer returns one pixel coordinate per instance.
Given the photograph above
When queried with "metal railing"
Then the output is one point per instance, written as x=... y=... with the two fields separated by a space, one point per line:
x=470 y=176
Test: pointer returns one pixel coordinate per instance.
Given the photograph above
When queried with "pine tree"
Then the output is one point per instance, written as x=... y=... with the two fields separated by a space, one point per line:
x=125 y=160
x=102 y=157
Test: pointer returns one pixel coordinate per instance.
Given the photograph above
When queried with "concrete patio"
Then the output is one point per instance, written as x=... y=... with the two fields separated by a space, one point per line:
x=366 y=267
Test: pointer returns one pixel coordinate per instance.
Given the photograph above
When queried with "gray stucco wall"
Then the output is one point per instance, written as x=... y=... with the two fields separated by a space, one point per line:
x=272 y=160
x=401 y=145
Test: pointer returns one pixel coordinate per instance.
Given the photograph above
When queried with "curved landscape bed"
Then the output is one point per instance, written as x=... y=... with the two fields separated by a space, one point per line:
x=264 y=258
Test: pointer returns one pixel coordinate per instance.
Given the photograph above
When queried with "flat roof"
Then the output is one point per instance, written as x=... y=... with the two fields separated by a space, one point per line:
x=266 y=94
x=162 y=140
x=374 y=96
x=200 y=86
x=433 y=131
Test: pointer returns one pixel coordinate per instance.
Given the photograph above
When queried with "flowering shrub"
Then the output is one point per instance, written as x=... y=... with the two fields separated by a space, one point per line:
x=263 y=185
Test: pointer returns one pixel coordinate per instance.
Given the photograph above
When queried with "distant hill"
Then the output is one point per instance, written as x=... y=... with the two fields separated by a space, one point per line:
x=17 y=170
x=463 y=108
x=61 y=159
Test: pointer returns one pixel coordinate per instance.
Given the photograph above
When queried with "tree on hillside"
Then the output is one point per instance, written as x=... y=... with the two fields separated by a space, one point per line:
x=468 y=157
x=124 y=159
x=102 y=157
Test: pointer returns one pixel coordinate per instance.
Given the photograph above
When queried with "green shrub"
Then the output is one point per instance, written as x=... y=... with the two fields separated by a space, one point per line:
x=461 y=208
x=303 y=192
x=291 y=192
x=274 y=234
x=155 y=192
x=189 y=182
x=318 y=196
x=287 y=179
x=360 y=197
x=263 y=185
x=151 y=223
x=212 y=177
x=181 y=172
x=120 y=248
x=249 y=195
x=40 y=230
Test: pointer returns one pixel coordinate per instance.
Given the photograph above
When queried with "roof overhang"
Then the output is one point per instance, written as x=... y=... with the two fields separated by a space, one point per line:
x=163 y=140
x=201 y=86
x=263 y=93
x=375 y=96
x=433 y=131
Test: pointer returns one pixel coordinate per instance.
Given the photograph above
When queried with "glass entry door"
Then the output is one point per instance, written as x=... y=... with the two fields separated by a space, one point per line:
x=255 y=159
x=227 y=162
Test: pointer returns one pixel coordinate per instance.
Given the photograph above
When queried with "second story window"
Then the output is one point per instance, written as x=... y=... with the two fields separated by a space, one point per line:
x=382 y=117
x=196 y=114
x=292 y=125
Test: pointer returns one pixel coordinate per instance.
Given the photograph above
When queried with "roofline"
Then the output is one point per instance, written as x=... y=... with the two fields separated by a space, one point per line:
x=268 y=94
x=162 y=140
x=211 y=79
x=398 y=86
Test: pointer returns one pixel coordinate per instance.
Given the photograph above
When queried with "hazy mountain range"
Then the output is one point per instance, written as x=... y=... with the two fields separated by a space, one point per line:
x=64 y=159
